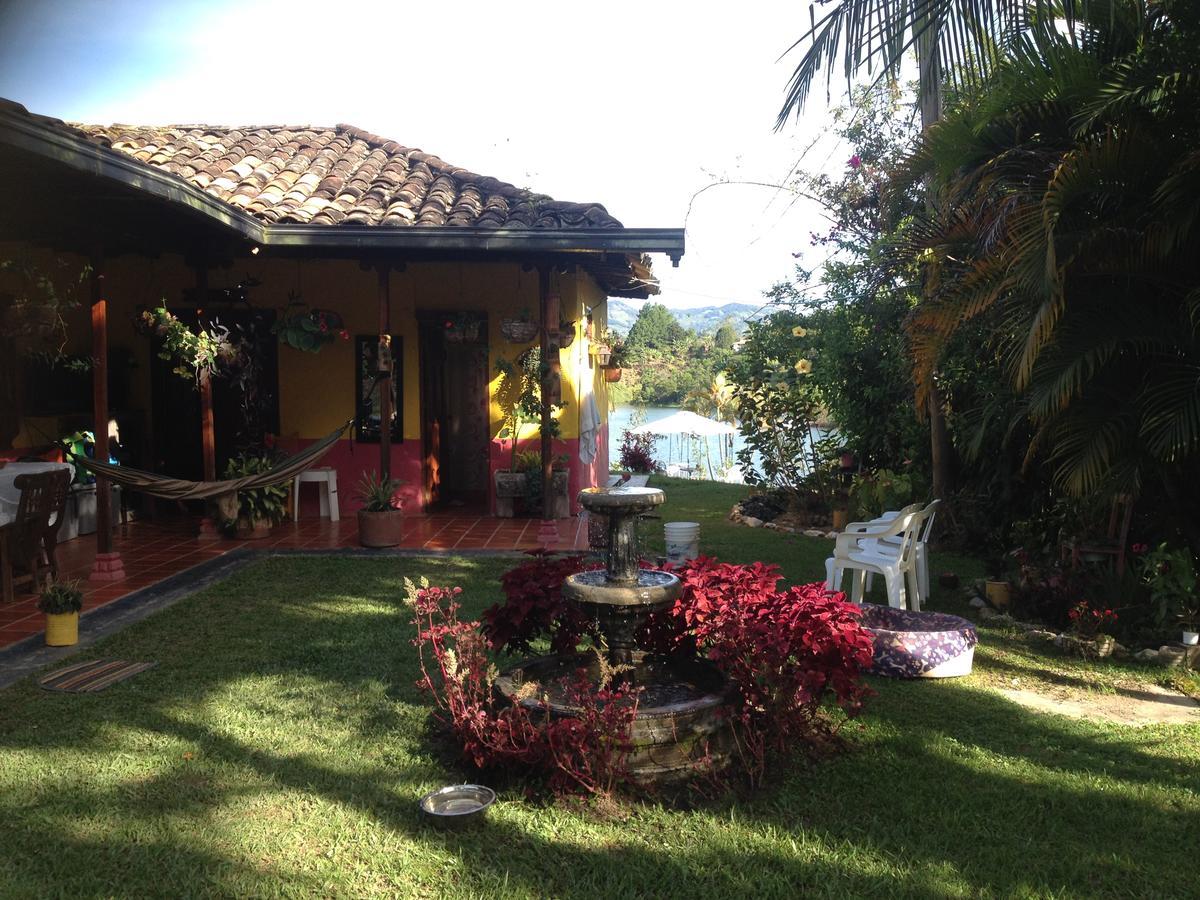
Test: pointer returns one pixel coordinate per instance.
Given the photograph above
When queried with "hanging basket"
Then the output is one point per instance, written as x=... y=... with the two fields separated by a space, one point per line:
x=566 y=335
x=518 y=331
x=612 y=373
x=467 y=333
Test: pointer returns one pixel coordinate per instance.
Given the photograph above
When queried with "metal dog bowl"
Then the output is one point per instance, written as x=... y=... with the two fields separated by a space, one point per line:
x=457 y=805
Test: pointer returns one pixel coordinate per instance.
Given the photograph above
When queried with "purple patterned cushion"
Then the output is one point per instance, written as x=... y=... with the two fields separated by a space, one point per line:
x=908 y=644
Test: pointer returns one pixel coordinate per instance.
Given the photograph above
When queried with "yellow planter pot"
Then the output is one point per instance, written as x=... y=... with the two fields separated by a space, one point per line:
x=998 y=593
x=62 y=629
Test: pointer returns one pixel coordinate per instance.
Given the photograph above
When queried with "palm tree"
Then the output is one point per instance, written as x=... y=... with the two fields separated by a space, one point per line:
x=1067 y=216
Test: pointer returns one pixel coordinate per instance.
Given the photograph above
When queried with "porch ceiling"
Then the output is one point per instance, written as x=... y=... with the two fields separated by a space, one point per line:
x=62 y=182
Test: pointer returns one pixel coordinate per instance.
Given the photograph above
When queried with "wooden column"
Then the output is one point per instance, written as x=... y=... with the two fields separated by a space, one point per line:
x=548 y=532
x=384 y=357
x=107 y=566
x=208 y=442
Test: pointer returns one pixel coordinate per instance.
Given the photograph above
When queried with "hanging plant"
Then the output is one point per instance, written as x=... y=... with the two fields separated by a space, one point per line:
x=197 y=355
x=520 y=330
x=462 y=328
x=33 y=311
x=308 y=328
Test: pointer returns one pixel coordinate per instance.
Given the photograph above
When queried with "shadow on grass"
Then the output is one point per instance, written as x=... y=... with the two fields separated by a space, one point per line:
x=947 y=790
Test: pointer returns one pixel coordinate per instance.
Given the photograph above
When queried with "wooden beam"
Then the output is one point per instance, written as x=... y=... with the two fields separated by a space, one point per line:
x=107 y=566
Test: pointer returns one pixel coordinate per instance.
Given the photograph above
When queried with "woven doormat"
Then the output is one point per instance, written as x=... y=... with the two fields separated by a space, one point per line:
x=93 y=675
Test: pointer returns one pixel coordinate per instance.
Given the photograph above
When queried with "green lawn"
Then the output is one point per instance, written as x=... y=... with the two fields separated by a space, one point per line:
x=279 y=749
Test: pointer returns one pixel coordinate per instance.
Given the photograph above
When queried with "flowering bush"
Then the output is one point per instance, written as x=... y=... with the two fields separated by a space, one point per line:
x=637 y=452
x=534 y=606
x=1089 y=622
x=585 y=753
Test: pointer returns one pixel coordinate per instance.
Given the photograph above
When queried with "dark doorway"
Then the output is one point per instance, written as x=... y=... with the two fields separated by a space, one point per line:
x=455 y=437
x=243 y=408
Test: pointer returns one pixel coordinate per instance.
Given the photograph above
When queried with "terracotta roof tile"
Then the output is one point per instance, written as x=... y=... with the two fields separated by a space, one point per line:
x=339 y=175
x=285 y=174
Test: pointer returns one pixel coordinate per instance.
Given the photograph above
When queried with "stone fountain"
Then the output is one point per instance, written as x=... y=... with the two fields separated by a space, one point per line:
x=681 y=708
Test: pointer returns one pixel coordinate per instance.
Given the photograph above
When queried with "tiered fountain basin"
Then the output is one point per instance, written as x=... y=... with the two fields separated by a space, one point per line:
x=682 y=721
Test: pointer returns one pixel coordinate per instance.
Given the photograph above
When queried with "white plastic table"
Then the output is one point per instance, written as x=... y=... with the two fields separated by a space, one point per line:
x=10 y=494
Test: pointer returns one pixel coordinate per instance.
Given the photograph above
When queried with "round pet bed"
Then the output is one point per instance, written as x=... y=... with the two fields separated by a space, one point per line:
x=919 y=644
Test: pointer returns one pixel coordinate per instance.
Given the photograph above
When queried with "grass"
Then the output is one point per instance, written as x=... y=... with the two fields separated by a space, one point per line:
x=280 y=747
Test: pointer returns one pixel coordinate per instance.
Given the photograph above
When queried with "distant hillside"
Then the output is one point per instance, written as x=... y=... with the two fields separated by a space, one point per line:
x=621 y=314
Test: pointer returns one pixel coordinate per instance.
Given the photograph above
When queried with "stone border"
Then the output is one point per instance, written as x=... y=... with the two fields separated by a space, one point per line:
x=19 y=660
x=735 y=516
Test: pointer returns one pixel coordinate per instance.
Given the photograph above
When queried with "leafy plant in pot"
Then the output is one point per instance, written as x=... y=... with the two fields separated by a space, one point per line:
x=381 y=519
x=1170 y=576
x=519 y=394
x=257 y=508
x=61 y=602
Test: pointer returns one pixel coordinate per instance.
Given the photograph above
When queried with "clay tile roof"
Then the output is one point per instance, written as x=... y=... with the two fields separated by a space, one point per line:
x=338 y=175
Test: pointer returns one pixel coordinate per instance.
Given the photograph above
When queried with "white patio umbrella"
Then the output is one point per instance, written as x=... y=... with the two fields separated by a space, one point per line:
x=691 y=424
x=686 y=422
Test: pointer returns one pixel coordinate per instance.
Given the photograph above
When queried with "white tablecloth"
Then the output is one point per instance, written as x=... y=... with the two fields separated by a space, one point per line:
x=10 y=496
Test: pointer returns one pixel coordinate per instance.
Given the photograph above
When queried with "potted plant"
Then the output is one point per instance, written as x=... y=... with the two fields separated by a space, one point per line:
x=1087 y=629
x=257 y=508
x=529 y=468
x=1170 y=576
x=61 y=602
x=381 y=519
x=308 y=328
x=618 y=354
x=519 y=330
x=997 y=588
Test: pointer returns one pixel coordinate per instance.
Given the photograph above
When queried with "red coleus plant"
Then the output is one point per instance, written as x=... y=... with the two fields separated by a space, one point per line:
x=1089 y=621
x=784 y=651
x=534 y=606
x=583 y=754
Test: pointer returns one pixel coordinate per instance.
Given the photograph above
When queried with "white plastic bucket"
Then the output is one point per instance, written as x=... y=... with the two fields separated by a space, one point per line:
x=683 y=541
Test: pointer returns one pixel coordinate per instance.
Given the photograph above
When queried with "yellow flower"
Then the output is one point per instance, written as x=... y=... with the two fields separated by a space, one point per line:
x=799 y=331
x=803 y=367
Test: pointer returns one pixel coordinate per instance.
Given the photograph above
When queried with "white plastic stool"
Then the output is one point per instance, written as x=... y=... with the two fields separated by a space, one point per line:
x=326 y=478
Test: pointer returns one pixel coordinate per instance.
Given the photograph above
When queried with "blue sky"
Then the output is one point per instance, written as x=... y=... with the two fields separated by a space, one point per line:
x=636 y=105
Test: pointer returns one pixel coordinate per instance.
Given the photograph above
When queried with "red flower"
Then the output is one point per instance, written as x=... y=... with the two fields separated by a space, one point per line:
x=344 y=334
x=448 y=324
x=855 y=161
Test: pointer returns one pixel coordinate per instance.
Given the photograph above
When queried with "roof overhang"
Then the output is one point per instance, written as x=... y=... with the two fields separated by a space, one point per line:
x=52 y=140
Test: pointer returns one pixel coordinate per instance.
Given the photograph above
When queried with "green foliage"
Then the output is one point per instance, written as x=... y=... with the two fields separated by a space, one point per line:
x=777 y=402
x=262 y=504
x=519 y=393
x=197 y=356
x=876 y=492
x=308 y=328
x=61 y=597
x=1169 y=573
x=378 y=494
x=1062 y=230
x=725 y=336
x=655 y=329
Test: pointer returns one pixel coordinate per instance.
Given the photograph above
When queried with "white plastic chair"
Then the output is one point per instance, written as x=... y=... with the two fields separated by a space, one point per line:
x=898 y=569
x=325 y=478
x=892 y=544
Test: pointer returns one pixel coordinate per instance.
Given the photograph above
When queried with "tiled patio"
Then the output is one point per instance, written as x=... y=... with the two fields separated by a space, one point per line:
x=152 y=552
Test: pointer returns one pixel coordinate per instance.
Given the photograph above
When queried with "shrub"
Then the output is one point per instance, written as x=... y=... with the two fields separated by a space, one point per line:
x=784 y=652
x=586 y=753
x=637 y=452
x=534 y=606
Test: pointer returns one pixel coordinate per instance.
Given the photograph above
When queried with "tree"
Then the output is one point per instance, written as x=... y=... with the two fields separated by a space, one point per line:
x=726 y=336
x=1064 y=196
x=655 y=328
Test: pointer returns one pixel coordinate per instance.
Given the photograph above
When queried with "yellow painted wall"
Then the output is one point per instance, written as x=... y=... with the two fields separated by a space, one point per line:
x=316 y=391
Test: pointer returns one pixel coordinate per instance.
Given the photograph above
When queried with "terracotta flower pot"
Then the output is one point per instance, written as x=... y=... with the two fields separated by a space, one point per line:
x=841 y=518
x=612 y=373
x=380 y=529
x=253 y=529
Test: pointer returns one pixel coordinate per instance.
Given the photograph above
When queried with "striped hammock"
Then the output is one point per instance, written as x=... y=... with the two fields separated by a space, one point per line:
x=178 y=489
